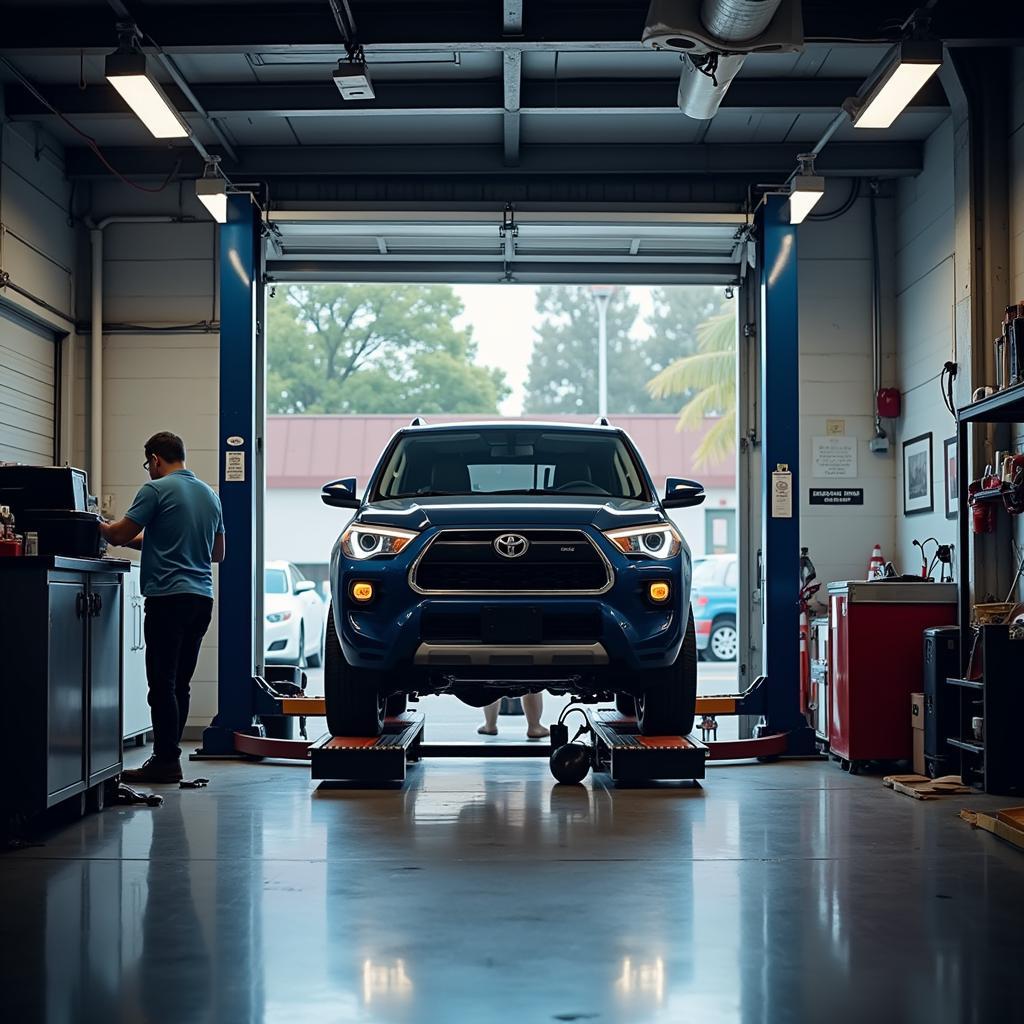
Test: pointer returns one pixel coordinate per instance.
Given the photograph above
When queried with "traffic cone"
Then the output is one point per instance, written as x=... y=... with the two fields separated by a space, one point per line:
x=876 y=566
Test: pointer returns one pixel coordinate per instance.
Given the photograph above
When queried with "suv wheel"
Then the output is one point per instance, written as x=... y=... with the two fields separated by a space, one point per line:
x=724 y=641
x=668 y=708
x=355 y=707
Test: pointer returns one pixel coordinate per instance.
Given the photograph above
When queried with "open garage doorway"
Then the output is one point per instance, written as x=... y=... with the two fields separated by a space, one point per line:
x=372 y=338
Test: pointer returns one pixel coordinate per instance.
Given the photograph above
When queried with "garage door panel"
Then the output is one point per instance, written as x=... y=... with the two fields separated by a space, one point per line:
x=27 y=391
x=331 y=244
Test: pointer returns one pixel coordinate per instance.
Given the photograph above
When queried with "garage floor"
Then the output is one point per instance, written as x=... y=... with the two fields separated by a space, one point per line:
x=483 y=891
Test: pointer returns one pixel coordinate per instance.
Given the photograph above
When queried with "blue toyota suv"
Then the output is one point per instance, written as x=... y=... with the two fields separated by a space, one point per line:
x=497 y=559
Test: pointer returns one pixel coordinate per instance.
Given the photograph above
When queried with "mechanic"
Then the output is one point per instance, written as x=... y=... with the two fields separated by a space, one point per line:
x=177 y=522
x=533 y=708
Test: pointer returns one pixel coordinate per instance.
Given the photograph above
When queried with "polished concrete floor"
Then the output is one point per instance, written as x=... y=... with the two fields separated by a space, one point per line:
x=484 y=892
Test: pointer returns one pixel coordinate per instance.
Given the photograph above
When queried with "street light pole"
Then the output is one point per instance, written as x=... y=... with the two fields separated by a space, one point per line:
x=602 y=296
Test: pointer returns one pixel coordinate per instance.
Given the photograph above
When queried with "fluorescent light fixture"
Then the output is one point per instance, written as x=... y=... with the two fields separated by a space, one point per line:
x=126 y=71
x=804 y=193
x=212 y=193
x=912 y=64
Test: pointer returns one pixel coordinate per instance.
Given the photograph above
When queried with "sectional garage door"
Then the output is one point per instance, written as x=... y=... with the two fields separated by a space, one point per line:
x=531 y=247
x=28 y=407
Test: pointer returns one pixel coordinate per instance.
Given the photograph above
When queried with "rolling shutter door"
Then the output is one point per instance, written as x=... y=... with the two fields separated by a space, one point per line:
x=28 y=407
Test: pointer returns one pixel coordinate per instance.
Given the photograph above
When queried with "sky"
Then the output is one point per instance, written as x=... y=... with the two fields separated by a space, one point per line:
x=503 y=317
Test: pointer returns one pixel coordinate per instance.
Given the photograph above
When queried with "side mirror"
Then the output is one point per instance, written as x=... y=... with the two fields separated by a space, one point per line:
x=304 y=586
x=683 y=493
x=340 y=493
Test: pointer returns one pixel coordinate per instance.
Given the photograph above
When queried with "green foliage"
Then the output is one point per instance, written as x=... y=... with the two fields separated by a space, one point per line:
x=563 y=366
x=707 y=381
x=371 y=348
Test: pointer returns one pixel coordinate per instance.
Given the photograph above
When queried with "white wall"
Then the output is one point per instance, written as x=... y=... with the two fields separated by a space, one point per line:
x=157 y=377
x=836 y=379
x=925 y=243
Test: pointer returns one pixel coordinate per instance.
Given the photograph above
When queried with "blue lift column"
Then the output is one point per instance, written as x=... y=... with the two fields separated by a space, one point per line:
x=241 y=274
x=780 y=462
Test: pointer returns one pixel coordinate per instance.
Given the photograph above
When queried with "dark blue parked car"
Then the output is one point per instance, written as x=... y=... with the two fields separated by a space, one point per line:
x=715 y=579
x=498 y=559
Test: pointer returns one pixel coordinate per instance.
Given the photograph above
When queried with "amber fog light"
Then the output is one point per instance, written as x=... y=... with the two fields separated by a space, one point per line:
x=362 y=592
x=658 y=592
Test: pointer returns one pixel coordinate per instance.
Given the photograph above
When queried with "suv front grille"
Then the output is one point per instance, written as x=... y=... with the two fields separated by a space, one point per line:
x=466 y=562
x=441 y=627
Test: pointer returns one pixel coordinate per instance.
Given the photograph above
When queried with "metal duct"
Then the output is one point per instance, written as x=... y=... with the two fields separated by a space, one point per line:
x=706 y=78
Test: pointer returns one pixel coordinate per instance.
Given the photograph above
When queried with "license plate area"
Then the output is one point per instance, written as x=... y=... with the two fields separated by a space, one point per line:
x=516 y=624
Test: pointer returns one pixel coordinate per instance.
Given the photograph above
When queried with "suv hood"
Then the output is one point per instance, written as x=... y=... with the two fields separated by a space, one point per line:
x=511 y=511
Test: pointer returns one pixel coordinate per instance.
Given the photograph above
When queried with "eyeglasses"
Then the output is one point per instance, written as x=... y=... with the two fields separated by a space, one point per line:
x=145 y=465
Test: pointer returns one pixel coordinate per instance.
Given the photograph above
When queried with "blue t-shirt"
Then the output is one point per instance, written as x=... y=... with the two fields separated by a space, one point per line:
x=182 y=517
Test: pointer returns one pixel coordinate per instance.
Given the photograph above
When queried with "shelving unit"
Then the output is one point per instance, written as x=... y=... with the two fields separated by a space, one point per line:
x=991 y=763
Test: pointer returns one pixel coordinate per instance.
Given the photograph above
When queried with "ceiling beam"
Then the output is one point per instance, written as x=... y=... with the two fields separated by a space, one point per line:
x=756 y=162
x=511 y=93
x=467 y=25
x=512 y=17
x=512 y=65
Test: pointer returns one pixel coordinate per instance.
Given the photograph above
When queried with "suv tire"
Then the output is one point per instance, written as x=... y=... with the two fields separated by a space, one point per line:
x=355 y=707
x=625 y=704
x=723 y=640
x=668 y=708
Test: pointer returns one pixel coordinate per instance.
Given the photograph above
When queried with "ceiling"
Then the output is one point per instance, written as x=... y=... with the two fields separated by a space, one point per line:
x=476 y=100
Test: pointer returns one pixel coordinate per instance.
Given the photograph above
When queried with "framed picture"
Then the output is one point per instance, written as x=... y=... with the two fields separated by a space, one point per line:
x=949 y=472
x=917 y=475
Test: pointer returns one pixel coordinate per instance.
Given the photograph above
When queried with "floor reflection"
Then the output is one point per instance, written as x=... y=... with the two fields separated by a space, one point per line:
x=485 y=891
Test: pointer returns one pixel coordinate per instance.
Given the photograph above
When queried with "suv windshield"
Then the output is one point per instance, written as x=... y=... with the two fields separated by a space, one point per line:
x=511 y=460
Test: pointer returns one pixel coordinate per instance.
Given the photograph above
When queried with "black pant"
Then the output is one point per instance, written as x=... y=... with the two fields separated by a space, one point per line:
x=175 y=627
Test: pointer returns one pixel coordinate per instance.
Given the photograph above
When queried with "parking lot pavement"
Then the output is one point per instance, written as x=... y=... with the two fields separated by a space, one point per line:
x=449 y=720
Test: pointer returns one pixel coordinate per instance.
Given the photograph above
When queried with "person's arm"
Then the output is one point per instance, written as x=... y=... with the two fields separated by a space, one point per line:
x=219 y=546
x=124 y=533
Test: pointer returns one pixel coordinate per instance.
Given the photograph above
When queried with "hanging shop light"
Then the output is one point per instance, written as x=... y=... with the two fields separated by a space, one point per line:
x=805 y=189
x=212 y=192
x=127 y=72
x=913 y=62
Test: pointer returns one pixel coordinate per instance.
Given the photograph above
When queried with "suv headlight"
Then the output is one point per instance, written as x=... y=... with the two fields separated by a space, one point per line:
x=659 y=541
x=363 y=542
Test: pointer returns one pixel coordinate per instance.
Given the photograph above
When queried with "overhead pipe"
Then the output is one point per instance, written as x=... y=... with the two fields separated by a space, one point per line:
x=96 y=349
x=706 y=78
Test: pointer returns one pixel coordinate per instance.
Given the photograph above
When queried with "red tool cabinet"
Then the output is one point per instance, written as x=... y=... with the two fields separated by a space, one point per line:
x=876 y=660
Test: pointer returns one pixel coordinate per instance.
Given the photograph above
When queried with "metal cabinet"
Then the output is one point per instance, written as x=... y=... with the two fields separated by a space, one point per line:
x=60 y=629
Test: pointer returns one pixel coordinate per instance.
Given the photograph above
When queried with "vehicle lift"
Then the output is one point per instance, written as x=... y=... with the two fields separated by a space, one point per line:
x=616 y=748
x=247 y=705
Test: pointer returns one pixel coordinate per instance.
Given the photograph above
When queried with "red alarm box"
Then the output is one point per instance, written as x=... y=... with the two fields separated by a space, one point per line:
x=888 y=403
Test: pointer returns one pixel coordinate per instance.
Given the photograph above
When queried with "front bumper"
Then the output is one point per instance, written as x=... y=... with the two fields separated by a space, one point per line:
x=398 y=632
x=281 y=642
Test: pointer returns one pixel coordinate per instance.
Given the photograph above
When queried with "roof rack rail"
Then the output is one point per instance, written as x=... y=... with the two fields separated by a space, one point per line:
x=602 y=421
x=418 y=421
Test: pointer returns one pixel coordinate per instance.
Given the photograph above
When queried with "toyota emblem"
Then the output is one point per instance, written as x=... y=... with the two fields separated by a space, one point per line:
x=511 y=545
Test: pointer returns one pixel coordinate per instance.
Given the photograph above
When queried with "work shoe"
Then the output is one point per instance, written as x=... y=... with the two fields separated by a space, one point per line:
x=154 y=771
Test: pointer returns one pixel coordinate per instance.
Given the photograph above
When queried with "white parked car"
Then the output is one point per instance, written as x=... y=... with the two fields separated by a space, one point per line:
x=293 y=631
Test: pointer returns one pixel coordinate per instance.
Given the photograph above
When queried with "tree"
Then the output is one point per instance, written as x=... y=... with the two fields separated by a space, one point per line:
x=707 y=378
x=371 y=348
x=563 y=366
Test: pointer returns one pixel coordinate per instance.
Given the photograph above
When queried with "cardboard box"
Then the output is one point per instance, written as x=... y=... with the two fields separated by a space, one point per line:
x=1008 y=824
x=917 y=726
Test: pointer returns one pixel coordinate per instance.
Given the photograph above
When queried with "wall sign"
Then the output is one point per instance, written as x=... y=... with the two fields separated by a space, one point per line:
x=782 y=492
x=837 y=496
x=234 y=467
x=235 y=441
x=834 y=457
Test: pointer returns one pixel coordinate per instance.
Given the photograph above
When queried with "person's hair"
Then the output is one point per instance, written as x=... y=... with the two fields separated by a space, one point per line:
x=168 y=446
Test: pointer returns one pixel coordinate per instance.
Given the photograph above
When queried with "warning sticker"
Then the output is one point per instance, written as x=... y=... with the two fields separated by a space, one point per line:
x=234 y=467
